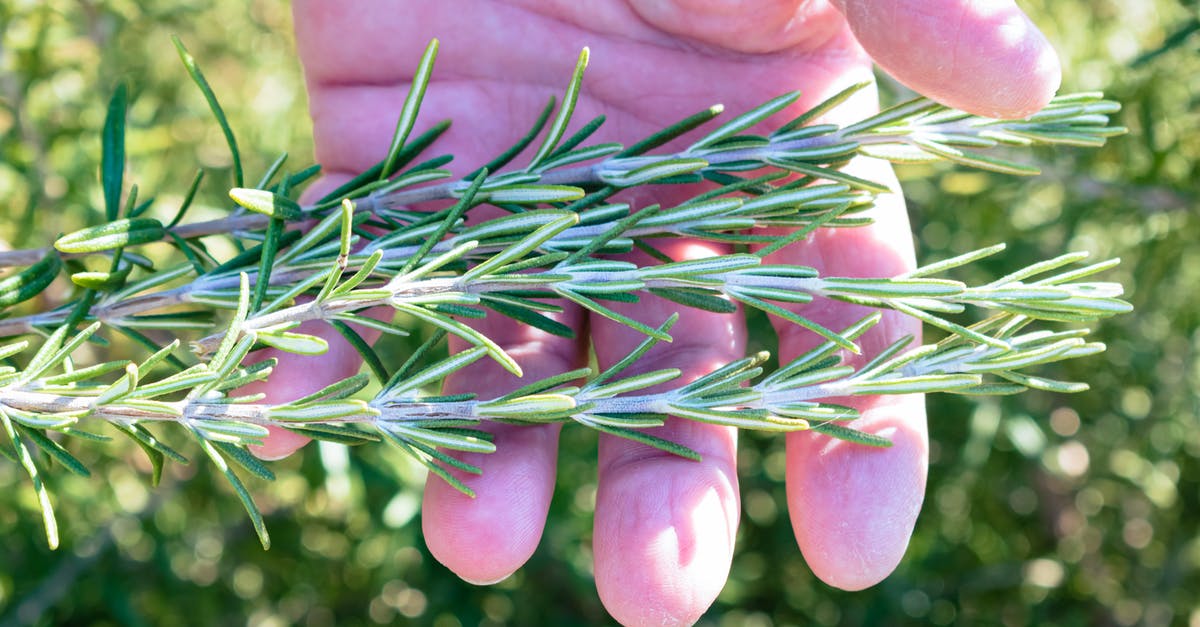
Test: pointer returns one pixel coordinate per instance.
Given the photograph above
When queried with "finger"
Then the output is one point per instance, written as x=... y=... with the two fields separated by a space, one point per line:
x=486 y=538
x=665 y=526
x=482 y=539
x=982 y=56
x=853 y=507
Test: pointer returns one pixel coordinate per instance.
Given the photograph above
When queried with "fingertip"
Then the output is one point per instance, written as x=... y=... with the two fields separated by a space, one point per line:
x=664 y=539
x=1042 y=80
x=854 y=507
x=481 y=547
x=485 y=538
x=982 y=56
x=1019 y=80
x=279 y=444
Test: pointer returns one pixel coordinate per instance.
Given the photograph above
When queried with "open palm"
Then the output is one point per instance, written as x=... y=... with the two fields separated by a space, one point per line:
x=665 y=527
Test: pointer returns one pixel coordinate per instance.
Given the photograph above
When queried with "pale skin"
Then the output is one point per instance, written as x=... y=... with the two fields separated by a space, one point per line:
x=664 y=526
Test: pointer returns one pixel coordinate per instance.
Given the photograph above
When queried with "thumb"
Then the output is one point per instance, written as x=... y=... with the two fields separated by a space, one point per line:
x=982 y=56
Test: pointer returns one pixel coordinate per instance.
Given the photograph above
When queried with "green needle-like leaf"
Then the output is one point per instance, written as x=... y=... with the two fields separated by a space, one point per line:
x=412 y=105
x=565 y=111
x=975 y=159
x=521 y=144
x=438 y=371
x=426 y=455
x=270 y=247
x=643 y=438
x=39 y=488
x=243 y=494
x=112 y=158
x=31 y=281
x=821 y=109
x=56 y=451
x=245 y=460
x=363 y=348
x=747 y=120
x=114 y=234
x=198 y=77
x=852 y=435
x=267 y=203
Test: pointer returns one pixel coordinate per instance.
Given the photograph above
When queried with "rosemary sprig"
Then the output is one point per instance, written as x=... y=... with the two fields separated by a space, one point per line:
x=367 y=248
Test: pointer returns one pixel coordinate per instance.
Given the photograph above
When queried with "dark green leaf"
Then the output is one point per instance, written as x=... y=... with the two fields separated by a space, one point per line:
x=831 y=174
x=270 y=247
x=55 y=451
x=408 y=447
x=452 y=216
x=31 y=281
x=697 y=298
x=822 y=108
x=272 y=171
x=892 y=114
x=240 y=488
x=363 y=348
x=245 y=460
x=633 y=355
x=577 y=137
x=131 y=206
x=522 y=144
x=251 y=255
x=671 y=132
x=112 y=157
x=747 y=119
x=197 y=77
x=338 y=434
x=529 y=317
x=618 y=228
x=842 y=432
x=372 y=174
x=186 y=249
x=187 y=198
x=593 y=306
x=647 y=439
x=794 y=318
x=150 y=345
x=415 y=359
x=1171 y=42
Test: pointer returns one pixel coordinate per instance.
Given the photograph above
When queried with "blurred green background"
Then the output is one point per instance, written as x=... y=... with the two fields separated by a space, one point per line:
x=1041 y=508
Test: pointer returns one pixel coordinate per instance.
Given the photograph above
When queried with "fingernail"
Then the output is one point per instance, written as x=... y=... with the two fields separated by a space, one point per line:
x=261 y=453
x=485 y=582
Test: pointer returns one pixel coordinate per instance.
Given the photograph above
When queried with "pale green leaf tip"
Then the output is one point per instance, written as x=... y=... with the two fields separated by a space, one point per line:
x=51 y=533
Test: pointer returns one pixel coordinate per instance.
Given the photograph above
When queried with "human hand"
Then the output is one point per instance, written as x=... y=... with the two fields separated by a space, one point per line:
x=665 y=526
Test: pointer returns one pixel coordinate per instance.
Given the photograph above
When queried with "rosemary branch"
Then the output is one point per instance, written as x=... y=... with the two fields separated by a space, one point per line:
x=369 y=247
